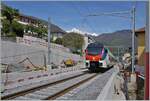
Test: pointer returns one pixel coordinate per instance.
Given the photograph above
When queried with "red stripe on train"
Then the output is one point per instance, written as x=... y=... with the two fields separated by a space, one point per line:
x=93 y=58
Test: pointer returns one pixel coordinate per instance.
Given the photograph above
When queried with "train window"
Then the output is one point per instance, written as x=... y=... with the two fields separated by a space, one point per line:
x=94 y=50
x=106 y=50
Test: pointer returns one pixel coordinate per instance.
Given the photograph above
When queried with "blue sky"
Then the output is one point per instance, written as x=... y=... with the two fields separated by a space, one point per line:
x=71 y=14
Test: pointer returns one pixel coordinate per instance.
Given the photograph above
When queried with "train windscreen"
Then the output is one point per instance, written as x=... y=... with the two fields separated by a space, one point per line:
x=94 y=50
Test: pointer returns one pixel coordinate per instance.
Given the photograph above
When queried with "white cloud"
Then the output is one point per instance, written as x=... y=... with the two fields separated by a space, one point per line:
x=82 y=32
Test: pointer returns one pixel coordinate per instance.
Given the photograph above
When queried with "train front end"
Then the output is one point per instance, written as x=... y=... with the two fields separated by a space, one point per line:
x=96 y=57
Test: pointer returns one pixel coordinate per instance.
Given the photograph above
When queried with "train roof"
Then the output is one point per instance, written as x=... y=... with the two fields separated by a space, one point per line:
x=95 y=44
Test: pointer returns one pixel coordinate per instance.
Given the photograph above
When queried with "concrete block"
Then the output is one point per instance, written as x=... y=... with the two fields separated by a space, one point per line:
x=49 y=67
x=112 y=89
x=133 y=78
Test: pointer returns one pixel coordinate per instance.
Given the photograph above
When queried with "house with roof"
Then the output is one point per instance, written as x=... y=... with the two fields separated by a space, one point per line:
x=56 y=32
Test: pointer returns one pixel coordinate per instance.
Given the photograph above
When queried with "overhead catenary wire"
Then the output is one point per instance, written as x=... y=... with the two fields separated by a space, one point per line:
x=109 y=13
x=132 y=18
x=89 y=22
x=84 y=18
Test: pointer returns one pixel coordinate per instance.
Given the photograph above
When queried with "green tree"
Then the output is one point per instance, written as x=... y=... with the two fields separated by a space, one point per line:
x=74 y=41
x=18 y=28
x=41 y=32
x=5 y=27
x=29 y=28
x=58 y=41
x=10 y=14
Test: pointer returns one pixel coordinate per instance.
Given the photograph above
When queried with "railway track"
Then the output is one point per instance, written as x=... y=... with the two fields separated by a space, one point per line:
x=51 y=91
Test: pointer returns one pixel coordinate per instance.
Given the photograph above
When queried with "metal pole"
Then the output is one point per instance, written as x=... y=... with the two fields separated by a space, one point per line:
x=133 y=38
x=49 y=32
x=118 y=53
x=44 y=57
x=147 y=45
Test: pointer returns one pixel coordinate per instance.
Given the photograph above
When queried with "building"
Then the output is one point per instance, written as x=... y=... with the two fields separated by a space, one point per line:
x=56 y=32
x=87 y=40
x=26 y=20
x=140 y=34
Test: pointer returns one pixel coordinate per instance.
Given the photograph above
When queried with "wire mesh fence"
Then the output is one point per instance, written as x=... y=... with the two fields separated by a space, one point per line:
x=118 y=51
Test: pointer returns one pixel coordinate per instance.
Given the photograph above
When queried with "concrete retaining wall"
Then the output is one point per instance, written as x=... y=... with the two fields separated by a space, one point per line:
x=112 y=90
x=15 y=52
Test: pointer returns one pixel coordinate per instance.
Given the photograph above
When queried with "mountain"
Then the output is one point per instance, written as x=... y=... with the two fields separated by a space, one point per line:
x=118 y=38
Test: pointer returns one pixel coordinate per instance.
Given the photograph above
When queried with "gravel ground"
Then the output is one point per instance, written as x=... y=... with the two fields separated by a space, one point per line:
x=52 y=79
x=90 y=90
x=54 y=89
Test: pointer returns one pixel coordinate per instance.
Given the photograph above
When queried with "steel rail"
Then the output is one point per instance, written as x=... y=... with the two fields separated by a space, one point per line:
x=64 y=91
x=27 y=91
